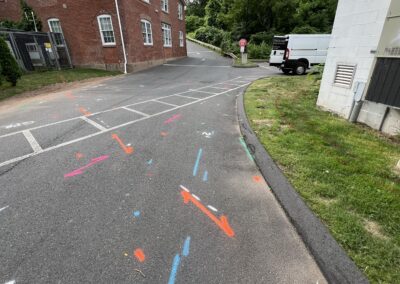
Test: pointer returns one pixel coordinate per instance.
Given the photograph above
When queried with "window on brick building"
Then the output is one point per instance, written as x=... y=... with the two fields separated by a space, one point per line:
x=181 y=42
x=55 y=27
x=166 y=31
x=180 y=11
x=164 y=5
x=146 y=32
x=106 y=29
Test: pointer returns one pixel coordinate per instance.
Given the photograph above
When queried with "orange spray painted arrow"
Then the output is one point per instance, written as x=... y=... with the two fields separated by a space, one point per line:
x=127 y=149
x=222 y=223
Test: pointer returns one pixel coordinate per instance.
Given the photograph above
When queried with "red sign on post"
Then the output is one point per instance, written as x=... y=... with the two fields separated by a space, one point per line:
x=243 y=42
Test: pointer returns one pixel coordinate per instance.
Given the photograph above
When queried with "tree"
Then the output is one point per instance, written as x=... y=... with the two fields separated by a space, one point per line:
x=9 y=67
x=213 y=8
x=196 y=8
x=28 y=24
x=319 y=14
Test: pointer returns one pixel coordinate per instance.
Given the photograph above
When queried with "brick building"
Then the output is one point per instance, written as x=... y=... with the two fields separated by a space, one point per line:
x=153 y=31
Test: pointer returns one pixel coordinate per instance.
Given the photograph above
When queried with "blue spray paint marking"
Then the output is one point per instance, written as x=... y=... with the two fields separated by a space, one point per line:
x=150 y=162
x=205 y=176
x=196 y=165
x=246 y=149
x=186 y=247
x=136 y=213
x=174 y=269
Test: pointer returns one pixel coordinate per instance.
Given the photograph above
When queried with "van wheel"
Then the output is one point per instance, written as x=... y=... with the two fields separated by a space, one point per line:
x=300 y=68
x=286 y=71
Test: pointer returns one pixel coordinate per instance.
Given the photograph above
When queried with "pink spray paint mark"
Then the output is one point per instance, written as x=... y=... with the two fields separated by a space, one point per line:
x=172 y=119
x=80 y=170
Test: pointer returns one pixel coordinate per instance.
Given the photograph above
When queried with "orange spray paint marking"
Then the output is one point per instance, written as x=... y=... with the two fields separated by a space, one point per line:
x=127 y=149
x=84 y=111
x=222 y=222
x=70 y=96
x=78 y=156
x=139 y=254
x=163 y=134
x=257 y=178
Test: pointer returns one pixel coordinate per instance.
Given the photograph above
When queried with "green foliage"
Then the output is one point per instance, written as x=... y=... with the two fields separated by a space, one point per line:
x=306 y=29
x=209 y=35
x=261 y=51
x=213 y=8
x=27 y=24
x=9 y=24
x=196 y=8
x=228 y=46
x=259 y=38
x=9 y=67
x=193 y=23
x=317 y=72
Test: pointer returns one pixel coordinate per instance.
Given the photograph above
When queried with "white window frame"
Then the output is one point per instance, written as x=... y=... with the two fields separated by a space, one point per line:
x=101 y=31
x=181 y=39
x=166 y=31
x=180 y=11
x=148 y=31
x=165 y=6
x=147 y=1
x=52 y=30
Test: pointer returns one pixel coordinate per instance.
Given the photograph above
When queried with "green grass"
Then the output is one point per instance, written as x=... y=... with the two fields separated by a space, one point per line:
x=36 y=80
x=249 y=64
x=345 y=172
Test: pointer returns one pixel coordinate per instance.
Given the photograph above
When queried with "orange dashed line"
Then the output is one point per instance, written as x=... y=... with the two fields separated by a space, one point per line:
x=139 y=254
x=257 y=178
x=84 y=111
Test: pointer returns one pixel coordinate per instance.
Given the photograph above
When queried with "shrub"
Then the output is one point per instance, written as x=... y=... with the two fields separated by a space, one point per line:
x=193 y=23
x=228 y=46
x=306 y=29
x=261 y=37
x=209 y=35
x=317 y=71
x=10 y=68
x=261 y=51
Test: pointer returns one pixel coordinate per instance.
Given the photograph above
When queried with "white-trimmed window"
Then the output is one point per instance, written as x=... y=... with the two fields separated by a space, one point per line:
x=180 y=11
x=55 y=27
x=166 y=31
x=106 y=29
x=181 y=42
x=147 y=1
x=164 y=5
x=146 y=32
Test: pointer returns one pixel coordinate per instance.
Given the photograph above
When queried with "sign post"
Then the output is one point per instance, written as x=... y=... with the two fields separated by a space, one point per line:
x=242 y=44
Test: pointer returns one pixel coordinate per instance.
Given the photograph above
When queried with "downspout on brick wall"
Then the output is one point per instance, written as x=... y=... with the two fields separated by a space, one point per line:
x=122 y=37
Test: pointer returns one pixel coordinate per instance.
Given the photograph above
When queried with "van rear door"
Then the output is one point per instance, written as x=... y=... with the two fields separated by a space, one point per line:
x=279 y=45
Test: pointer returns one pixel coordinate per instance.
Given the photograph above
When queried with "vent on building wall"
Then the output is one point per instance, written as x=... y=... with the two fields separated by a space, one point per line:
x=344 y=75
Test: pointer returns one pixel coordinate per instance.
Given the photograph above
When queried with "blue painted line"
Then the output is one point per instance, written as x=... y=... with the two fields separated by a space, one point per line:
x=196 y=165
x=205 y=176
x=246 y=149
x=150 y=162
x=174 y=270
x=136 y=213
x=186 y=247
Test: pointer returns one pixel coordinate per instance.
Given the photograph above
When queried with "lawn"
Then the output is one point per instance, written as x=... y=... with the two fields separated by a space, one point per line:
x=36 y=80
x=345 y=172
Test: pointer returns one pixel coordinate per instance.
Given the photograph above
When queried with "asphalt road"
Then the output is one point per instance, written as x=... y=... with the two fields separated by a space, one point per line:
x=142 y=178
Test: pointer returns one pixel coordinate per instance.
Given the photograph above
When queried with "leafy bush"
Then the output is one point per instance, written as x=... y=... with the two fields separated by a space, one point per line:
x=228 y=46
x=10 y=69
x=261 y=37
x=261 y=51
x=193 y=23
x=306 y=29
x=317 y=71
x=209 y=35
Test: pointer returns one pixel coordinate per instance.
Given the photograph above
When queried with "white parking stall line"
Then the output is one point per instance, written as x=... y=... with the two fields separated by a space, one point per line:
x=161 y=102
x=32 y=141
x=192 y=98
x=93 y=123
x=112 y=128
x=219 y=88
x=136 y=111
x=200 y=91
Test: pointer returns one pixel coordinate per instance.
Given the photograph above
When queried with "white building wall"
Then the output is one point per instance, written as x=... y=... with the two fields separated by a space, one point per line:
x=355 y=37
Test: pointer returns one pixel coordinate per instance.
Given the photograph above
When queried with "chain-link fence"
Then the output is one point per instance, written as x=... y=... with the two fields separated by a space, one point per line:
x=38 y=51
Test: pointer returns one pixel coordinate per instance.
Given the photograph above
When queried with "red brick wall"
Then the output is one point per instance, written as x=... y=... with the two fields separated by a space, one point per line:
x=80 y=27
x=10 y=10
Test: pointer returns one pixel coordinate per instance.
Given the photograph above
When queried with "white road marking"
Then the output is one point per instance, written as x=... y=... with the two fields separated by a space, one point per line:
x=188 y=97
x=212 y=66
x=184 y=188
x=199 y=91
x=109 y=129
x=10 y=282
x=219 y=88
x=18 y=124
x=136 y=111
x=94 y=123
x=195 y=196
x=212 y=208
x=1 y=209
x=32 y=141
x=161 y=102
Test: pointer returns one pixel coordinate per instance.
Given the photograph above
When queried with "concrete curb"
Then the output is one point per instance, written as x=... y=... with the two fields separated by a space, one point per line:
x=333 y=261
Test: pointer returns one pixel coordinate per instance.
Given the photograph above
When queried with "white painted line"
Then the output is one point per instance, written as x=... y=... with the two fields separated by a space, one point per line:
x=212 y=208
x=1 y=209
x=229 y=84
x=10 y=282
x=219 y=88
x=212 y=66
x=94 y=123
x=168 y=104
x=188 y=97
x=195 y=196
x=32 y=141
x=112 y=128
x=184 y=188
x=199 y=91
x=136 y=111
x=201 y=51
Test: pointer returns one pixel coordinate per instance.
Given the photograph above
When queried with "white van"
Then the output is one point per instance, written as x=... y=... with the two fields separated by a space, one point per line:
x=297 y=53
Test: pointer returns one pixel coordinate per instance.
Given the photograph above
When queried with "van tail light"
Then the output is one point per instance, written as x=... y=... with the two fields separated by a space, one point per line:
x=287 y=53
